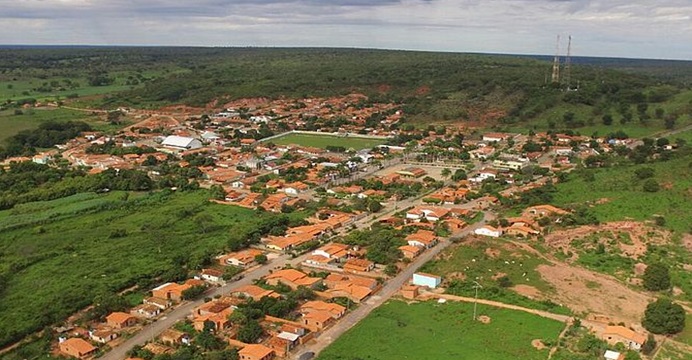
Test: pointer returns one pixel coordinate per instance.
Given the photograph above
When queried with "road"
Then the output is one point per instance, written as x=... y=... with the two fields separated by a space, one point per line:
x=390 y=288
x=154 y=329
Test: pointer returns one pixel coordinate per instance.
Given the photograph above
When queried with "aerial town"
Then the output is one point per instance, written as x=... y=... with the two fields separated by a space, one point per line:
x=378 y=211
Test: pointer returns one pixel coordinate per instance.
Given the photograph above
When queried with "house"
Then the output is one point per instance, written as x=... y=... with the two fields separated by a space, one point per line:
x=174 y=337
x=158 y=349
x=431 y=214
x=243 y=258
x=353 y=291
x=488 y=230
x=181 y=143
x=497 y=137
x=253 y=291
x=410 y=291
x=332 y=251
x=409 y=251
x=212 y=275
x=162 y=304
x=422 y=238
x=620 y=334
x=282 y=343
x=336 y=310
x=76 y=347
x=147 y=311
x=293 y=278
x=510 y=164
x=120 y=320
x=613 y=355
x=429 y=280
x=102 y=336
x=174 y=291
x=543 y=210
x=413 y=172
x=256 y=352
x=359 y=265
x=521 y=230
x=318 y=319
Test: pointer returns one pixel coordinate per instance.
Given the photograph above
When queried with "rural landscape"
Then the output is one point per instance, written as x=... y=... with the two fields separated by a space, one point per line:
x=170 y=203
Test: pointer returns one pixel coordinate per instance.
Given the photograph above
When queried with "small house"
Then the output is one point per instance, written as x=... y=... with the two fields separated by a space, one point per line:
x=428 y=280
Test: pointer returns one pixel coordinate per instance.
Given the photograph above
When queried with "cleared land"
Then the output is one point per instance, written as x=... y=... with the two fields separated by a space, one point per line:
x=444 y=331
x=322 y=141
x=56 y=256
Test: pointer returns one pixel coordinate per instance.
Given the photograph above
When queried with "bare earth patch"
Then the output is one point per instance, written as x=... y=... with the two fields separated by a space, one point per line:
x=538 y=344
x=608 y=297
x=484 y=319
x=528 y=291
x=492 y=253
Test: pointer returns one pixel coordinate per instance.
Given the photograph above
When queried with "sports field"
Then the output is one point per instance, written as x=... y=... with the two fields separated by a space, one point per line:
x=429 y=330
x=322 y=141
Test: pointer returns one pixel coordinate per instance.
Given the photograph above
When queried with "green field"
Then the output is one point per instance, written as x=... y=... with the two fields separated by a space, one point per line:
x=625 y=197
x=56 y=256
x=322 y=141
x=11 y=124
x=428 y=330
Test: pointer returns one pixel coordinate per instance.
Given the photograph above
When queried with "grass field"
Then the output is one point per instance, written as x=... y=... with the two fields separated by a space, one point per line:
x=59 y=254
x=670 y=351
x=11 y=124
x=625 y=197
x=322 y=141
x=428 y=330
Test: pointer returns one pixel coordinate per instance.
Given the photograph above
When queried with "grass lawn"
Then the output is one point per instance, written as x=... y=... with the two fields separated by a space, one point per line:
x=686 y=335
x=11 y=124
x=322 y=141
x=58 y=255
x=670 y=351
x=428 y=330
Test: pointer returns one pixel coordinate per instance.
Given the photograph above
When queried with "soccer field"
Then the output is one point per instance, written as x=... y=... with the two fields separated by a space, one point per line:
x=322 y=141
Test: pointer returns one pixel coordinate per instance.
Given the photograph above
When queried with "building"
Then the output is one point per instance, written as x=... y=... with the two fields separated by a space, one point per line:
x=181 y=143
x=174 y=337
x=318 y=319
x=410 y=291
x=147 y=311
x=510 y=164
x=429 y=280
x=488 y=230
x=336 y=310
x=256 y=352
x=102 y=336
x=211 y=275
x=422 y=238
x=293 y=278
x=620 y=334
x=412 y=172
x=409 y=251
x=76 y=347
x=253 y=291
x=613 y=355
x=120 y=320
x=361 y=265
x=243 y=258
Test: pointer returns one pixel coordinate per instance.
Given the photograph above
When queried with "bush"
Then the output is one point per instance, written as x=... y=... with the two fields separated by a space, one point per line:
x=664 y=317
x=656 y=277
x=651 y=186
x=644 y=173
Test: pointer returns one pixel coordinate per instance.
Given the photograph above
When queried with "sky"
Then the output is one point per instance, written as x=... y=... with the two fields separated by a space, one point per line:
x=660 y=29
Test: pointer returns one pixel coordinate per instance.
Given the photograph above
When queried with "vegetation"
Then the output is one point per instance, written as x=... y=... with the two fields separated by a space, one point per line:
x=656 y=277
x=664 y=317
x=431 y=331
x=158 y=240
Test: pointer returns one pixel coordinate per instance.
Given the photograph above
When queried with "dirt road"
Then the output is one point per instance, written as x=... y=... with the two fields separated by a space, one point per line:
x=390 y=288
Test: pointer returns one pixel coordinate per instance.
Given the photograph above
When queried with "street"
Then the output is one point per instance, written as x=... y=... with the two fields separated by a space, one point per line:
x=390 y=288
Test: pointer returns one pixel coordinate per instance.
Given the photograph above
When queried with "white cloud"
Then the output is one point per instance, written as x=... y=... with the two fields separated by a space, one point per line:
x=634 y=28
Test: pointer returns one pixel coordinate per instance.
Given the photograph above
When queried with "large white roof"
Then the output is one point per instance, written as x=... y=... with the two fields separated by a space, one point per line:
x=178 y=141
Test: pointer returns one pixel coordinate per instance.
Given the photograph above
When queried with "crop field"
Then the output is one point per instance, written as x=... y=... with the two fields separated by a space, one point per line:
x=621 y=195
x=56 y=256
x=428 y=330
x=322 y=141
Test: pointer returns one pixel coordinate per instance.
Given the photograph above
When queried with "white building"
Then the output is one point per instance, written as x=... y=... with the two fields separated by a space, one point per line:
x=423 y=279
x=181 y=142
x=488 y=231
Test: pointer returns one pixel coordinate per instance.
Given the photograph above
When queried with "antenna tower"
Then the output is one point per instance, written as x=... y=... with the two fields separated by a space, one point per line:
x=556 y=62
x=568 y=64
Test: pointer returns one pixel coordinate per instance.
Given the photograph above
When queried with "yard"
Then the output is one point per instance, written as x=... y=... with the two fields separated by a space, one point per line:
x=429 y=330
x=56 y=256
x=322 y=141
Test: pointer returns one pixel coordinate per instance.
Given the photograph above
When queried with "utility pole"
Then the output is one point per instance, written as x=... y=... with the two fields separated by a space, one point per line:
x=568 y=64
x=476 y=286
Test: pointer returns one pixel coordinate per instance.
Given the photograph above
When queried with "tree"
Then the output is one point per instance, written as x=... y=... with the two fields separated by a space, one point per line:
x=644 y=173
x=607 y=119
x=250 y=332
x=649 y=345
x=261 y=259
x=445 y=173
x=651 y=186
x=374 y=206
x=656 y=277
x=193 y=292
x=459 y=175
x=204 y=221
x=664 y=317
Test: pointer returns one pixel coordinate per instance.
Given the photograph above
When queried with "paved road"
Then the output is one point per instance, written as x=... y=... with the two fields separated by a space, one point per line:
x=390 y=288
x=154 y=329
